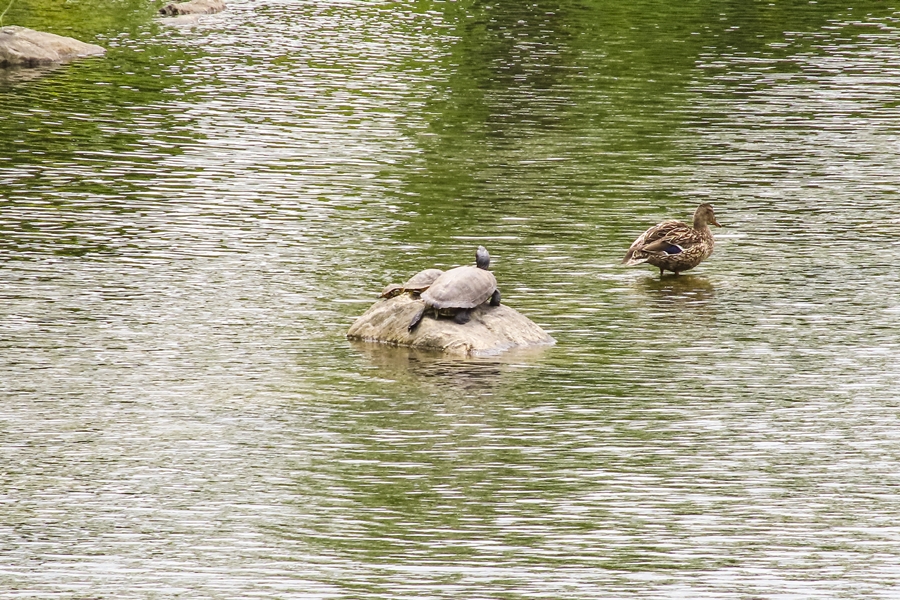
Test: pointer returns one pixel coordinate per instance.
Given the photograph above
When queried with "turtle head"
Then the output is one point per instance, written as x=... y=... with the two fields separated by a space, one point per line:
x=482 y=258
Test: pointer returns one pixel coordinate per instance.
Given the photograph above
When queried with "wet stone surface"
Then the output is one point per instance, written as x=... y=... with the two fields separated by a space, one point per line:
x=490 y=330
x=23 y=47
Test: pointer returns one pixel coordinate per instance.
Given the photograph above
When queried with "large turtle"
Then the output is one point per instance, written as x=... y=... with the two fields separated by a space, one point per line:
x=415 y=285
x=459 y=290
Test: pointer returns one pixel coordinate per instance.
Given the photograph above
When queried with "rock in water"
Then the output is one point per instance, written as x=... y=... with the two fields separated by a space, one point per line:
x=194 y=7
x=23 y=47
x=492 y=329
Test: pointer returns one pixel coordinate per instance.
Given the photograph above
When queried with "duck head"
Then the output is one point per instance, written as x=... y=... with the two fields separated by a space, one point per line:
x=704 y=215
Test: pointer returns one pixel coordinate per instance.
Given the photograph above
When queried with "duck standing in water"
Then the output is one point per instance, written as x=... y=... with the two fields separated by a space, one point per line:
x=673 y=245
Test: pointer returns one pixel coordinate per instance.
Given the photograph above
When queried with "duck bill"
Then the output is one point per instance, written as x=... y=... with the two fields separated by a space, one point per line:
x=714 y=222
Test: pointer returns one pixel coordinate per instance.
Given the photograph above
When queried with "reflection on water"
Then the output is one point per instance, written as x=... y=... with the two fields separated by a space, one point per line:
x=436 y=371
x=10 y=77
x=679 y=291
x=190 y=225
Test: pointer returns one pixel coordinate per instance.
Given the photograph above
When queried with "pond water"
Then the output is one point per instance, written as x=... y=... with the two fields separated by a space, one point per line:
x=189 y=225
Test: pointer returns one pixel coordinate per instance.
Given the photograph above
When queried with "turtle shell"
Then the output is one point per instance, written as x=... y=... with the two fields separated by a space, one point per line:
x=422 y=280
x=462 y=287
x=391 y=290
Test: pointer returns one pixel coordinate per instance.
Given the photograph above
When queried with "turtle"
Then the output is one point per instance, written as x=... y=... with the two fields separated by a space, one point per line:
x=391 y=290
x=459 y=290
x=421 y=281
x=415 y=285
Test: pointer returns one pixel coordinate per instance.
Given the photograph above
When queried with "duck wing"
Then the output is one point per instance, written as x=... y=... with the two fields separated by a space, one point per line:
x=669 y=236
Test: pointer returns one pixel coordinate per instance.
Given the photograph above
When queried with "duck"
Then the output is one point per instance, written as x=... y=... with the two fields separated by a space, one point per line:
x=673 y=245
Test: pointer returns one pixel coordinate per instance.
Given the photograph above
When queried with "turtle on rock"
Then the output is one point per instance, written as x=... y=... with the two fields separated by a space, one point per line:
x=421 y=281
x=392 y=290
x=459 y=290
x=415 y=285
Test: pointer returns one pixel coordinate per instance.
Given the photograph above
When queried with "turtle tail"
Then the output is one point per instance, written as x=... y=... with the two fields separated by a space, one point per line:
x=415 y=320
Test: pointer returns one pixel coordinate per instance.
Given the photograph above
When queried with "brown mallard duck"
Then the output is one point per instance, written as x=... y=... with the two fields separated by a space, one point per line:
x=673 y=245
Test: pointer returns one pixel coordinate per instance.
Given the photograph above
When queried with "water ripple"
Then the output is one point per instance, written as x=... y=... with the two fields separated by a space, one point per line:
x=190 y=229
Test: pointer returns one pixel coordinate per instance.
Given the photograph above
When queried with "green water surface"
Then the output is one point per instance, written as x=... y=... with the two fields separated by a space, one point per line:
x=189 y=225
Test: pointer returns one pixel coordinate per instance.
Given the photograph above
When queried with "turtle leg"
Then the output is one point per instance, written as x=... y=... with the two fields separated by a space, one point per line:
x=415 y=320
x=462 y=316
x=495 y=298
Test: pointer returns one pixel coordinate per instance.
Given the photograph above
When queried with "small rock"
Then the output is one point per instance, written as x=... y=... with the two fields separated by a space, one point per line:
x=194 y=7
x=23 y=47
x=491 y=329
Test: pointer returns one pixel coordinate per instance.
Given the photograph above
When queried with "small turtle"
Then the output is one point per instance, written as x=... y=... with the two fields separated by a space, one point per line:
x=421 y=281
x=459 y=290
x=391 y=290
x=415 y=285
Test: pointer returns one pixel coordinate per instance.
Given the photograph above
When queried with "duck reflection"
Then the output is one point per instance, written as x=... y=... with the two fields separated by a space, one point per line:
x=681 y=291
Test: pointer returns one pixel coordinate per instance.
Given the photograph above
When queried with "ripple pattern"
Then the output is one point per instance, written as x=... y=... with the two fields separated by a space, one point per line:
x=188 y=231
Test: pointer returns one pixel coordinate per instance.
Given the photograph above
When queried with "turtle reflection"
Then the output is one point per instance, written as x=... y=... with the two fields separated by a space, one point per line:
x=479 y=375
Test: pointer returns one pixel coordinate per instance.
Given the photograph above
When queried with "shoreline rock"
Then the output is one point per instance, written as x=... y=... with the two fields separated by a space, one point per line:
x=23 y=47
x=194 y=7
x=491 y=330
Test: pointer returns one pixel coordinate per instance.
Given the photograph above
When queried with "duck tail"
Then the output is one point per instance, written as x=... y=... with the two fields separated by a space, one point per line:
x=416 y=318
x=632 y=258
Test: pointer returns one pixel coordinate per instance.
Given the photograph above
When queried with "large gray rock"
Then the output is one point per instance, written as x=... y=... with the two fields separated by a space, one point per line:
x=22 y=47
x=194 y=7
x=492 y=329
